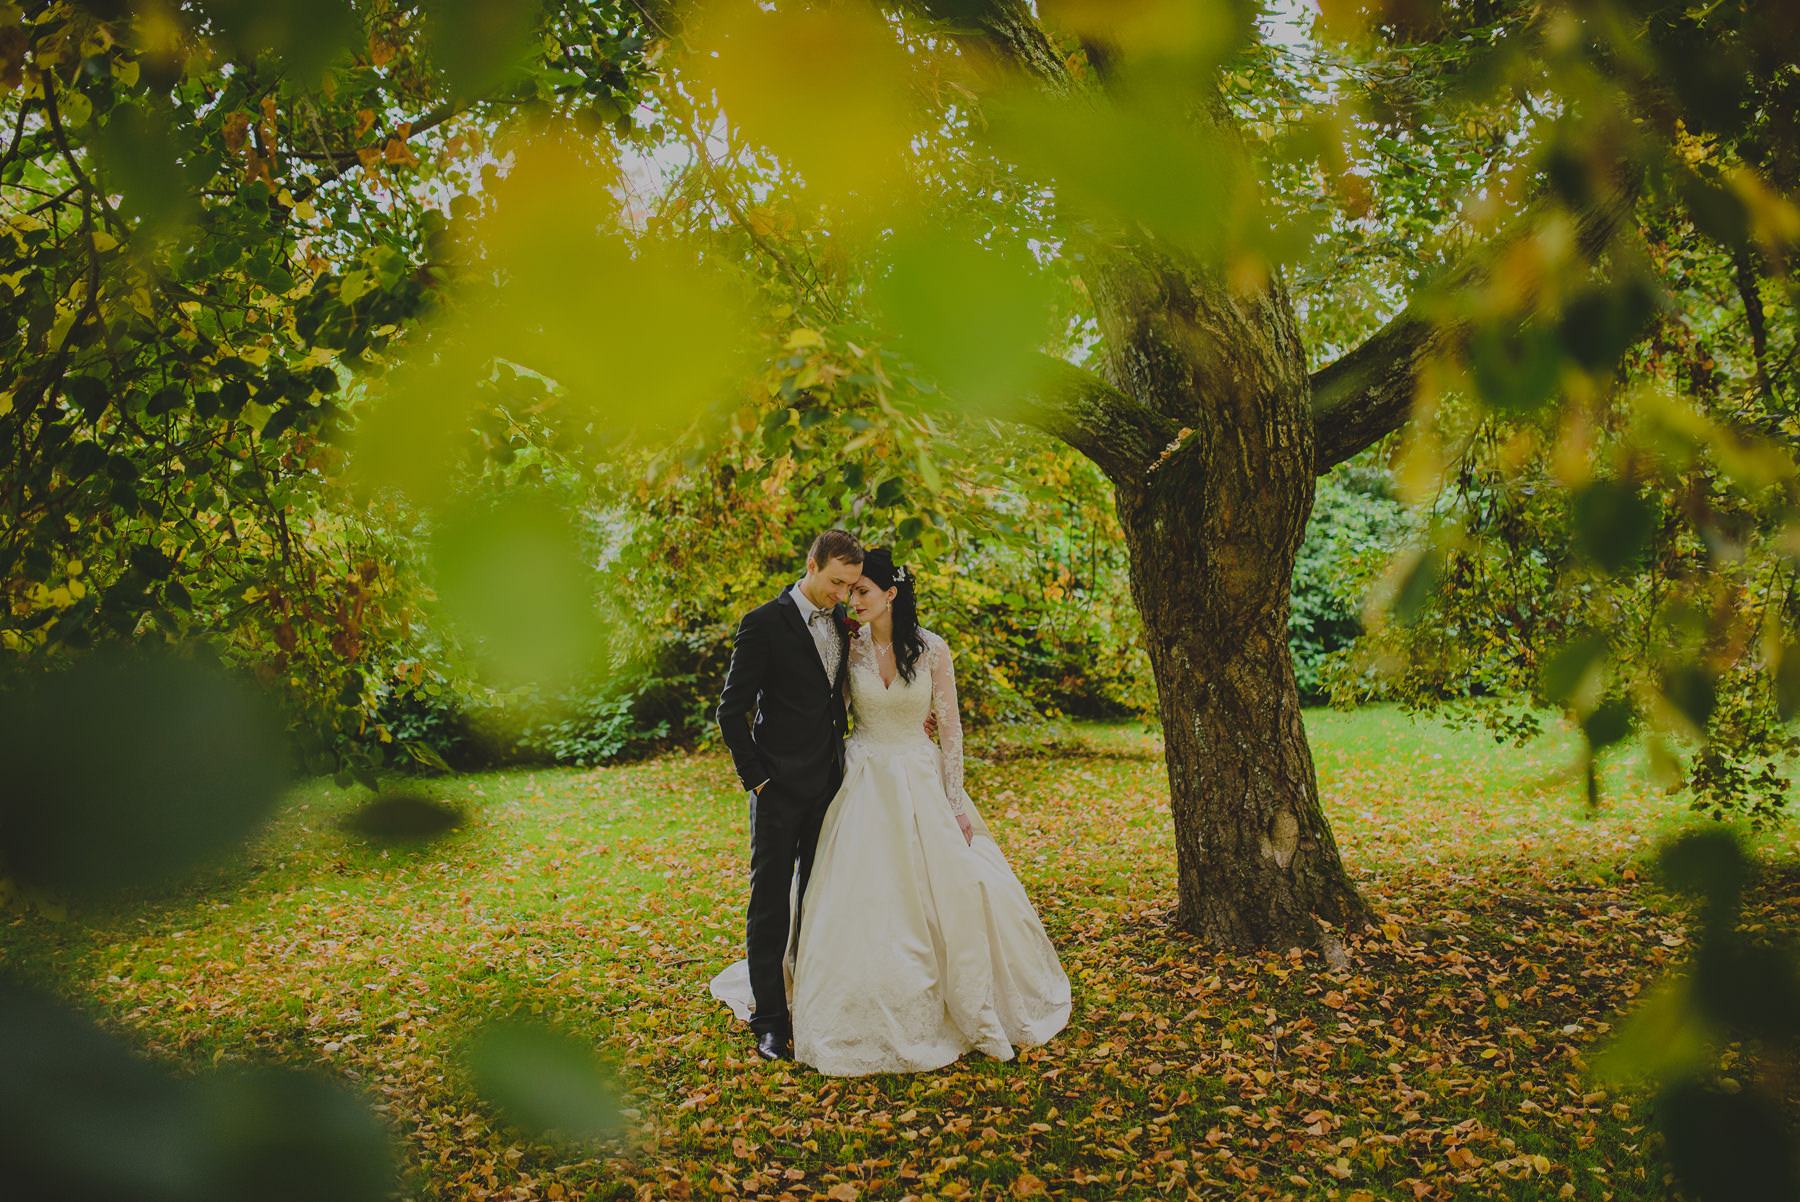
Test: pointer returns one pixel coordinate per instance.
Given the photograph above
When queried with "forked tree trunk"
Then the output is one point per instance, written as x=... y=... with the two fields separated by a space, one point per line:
x=1214 y=527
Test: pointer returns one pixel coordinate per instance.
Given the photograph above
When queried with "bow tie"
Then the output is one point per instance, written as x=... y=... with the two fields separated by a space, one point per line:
x=817 y=614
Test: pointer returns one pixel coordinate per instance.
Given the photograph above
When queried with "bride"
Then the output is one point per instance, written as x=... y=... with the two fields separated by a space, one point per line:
x=918 y=942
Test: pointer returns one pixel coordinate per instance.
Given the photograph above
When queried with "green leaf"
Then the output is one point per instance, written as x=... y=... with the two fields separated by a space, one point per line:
x=1417 y=586
x=151 y=561
x=1707 y=864
x=1516 y=367
x=309 y=34
x=1787 y=682
x=1608 y=724
x=1613 y=524
x=87 y=394
x=972 y=318
x=515 y=584
x=1726 y=1146
x=1665 y=1039
x=140 y=160
x=122 y=773
x=544 y=1082
x=1128 y=166
x=1693 y=691
x=165 y=400
x=1600 y=324
x=477 y=44
x=1566 y=673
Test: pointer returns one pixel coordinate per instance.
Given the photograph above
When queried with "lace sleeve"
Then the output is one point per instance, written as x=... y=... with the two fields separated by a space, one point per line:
x=943 y=704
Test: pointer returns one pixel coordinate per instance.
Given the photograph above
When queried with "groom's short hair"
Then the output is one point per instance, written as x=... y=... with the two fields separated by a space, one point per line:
x=836 y=544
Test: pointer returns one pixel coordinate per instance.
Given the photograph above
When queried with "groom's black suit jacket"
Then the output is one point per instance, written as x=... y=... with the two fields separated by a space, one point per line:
x=797 y=742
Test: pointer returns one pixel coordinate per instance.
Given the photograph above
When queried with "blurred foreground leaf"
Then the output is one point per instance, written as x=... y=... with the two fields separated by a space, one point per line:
x=1727 y=1138
x=1613 y=524
x=1125 y=167
x=637 y=337
x=308 y=34
x=513 y=580
x=1573 y=669
x=1665 y=1039
x=1729 y=1146
x=121 y=773
x=825 y=88
x=1693 y=692
x=478 y=43
x=1154 y=27
x=968 y=316
x=139 y=158
x=83 y=1118
x=545 y=1082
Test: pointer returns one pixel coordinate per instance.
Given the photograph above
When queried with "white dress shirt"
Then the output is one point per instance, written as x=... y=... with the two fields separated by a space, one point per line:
x=823 y=631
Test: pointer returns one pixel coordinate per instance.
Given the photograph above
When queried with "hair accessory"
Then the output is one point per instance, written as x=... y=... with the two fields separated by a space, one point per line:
x=899 y=573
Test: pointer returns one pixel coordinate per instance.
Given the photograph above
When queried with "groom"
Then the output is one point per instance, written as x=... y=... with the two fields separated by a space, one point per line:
x=787 y=667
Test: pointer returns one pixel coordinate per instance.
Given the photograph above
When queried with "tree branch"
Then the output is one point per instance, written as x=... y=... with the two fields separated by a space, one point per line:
x=1368 y=392
x=1122 y=437
x=346 y=160
x=1004 y=30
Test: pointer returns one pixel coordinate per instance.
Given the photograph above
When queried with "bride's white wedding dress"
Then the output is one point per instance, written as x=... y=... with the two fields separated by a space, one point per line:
x=915 y=946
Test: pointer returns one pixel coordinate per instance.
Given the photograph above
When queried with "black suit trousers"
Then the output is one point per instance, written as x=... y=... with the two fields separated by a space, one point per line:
x=784 y=836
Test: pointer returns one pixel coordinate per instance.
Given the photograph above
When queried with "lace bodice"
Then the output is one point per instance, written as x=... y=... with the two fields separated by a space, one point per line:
x=894 y=715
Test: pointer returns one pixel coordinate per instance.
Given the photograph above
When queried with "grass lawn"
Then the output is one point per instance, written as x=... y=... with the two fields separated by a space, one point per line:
x=1450 y=1060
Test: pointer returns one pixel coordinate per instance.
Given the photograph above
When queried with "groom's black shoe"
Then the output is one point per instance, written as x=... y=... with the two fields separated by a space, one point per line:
x=773 y=1045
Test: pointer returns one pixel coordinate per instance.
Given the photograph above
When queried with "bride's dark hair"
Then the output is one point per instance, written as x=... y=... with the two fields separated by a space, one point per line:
x=878 y=566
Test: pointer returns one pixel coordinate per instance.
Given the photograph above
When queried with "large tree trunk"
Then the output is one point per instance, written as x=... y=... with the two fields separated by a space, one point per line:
x=1256 y=862
x=1214 y=527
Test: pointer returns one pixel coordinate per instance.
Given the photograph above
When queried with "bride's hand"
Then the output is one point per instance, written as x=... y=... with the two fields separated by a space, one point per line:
x=968 y=830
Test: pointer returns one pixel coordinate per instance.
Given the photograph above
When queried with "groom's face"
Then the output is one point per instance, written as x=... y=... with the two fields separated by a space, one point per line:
x=830 y=585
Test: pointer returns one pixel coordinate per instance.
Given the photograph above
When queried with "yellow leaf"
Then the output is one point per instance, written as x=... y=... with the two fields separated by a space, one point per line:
x=125 y=72
x=104 y=241
x=1146 y=26
x=76 y=109
x=803 y=338
x=824 y=88
x=843 y=1191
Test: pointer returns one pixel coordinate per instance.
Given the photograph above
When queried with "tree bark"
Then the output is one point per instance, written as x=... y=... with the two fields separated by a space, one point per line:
x=1213 y=525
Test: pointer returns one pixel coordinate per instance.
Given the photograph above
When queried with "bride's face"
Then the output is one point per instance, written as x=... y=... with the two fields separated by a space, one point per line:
x=870 y=602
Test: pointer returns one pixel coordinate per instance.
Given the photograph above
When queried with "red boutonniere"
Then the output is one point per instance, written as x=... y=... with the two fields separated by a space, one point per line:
x=852 y=625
